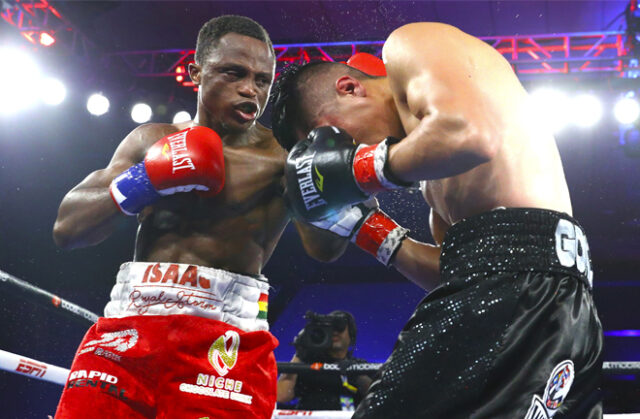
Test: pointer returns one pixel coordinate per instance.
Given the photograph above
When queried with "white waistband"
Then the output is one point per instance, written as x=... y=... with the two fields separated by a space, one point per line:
x=148 y=288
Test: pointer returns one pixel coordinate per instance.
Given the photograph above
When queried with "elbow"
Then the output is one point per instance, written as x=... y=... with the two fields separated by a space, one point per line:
x=481 y=146
x=61 y=236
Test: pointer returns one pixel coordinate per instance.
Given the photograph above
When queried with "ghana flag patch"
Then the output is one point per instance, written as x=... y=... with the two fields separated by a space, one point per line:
x=263 y=303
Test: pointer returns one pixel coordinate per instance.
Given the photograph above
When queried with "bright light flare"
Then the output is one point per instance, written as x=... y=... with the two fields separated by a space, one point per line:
x=551 y=106
x=52 y=91
x=182 y=116
x=97 y=104
x=627 y=110
x=17 y=94
x=141 y=113
x=585 y=110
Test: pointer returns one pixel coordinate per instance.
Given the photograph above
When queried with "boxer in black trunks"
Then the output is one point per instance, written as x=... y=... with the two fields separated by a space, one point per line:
x=511 y=330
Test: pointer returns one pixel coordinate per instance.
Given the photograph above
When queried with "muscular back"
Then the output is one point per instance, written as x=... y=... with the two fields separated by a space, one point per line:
x=457 y=83
x=236 y=230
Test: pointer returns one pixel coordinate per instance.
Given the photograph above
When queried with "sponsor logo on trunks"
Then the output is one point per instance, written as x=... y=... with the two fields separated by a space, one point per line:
x=29 y=367
x=220 y=387
x=98 y=380
x=307 y=184
x=184 y=290
x=555 y=392
x=223 y=353
x=572 y=248
x=120 y=341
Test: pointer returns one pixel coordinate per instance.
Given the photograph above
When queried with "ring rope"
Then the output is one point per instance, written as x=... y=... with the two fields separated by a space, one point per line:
x=622 y=367
x=41 y=370
x=31 y=292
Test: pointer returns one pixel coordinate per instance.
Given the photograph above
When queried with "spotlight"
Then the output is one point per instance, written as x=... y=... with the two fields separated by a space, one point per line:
x=46 y=39
x=14 y=95
x=52 y=91
x=180 y=70
x=586 y=110
x=627 y=109
x=551 y=107
x=97 y=104
x=182 y=116
x=141 y=113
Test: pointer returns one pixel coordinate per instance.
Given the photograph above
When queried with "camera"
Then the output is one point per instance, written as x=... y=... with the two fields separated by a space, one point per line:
x=314 y=341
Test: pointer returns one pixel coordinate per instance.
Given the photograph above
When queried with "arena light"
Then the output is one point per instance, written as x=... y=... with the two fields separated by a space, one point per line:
x=586 y=110
x=180 y=71
x=182 y=116
x=52 y=91
x=97 y=104
x=627 y=109
x=551 y=107
x=15 y=96
x=46 y=39
x=141 y=113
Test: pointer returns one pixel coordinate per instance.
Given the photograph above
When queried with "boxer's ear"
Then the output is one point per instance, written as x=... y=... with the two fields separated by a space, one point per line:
x=194 y=73
x=347 y=85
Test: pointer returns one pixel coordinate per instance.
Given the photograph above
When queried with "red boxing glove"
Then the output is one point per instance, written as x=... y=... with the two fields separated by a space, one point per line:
x=181 y=162
x=187 y=160
x=367 y=63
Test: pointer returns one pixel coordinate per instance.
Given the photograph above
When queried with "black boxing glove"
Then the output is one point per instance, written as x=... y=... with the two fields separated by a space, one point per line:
x=327 y=171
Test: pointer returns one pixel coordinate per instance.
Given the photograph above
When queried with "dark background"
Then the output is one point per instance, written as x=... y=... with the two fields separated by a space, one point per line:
x=44 y=151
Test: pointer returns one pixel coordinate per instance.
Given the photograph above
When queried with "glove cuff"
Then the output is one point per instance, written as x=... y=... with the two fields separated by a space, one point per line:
x=371 y=171
x=380 y=236
x=132 y=190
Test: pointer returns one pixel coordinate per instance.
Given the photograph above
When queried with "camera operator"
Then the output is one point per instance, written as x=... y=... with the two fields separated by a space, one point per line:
x=327 y=339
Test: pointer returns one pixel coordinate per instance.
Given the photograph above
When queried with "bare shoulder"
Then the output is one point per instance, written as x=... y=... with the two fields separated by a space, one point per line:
x=423 y=33
x=155 y=131
x=268 y=142
x=422 y=29
x=135 y=144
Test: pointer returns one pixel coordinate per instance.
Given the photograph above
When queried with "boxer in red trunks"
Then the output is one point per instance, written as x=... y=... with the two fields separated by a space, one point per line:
x=185 y=332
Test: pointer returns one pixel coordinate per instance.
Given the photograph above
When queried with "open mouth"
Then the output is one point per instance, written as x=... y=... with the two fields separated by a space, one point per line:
x=246 y=110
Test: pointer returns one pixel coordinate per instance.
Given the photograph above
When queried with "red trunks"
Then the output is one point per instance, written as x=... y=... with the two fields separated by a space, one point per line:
x=175 y=366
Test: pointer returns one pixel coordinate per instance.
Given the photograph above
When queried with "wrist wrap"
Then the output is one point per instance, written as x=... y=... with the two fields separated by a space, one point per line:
x=132 y=190
x=380 y=236
x=371 y=171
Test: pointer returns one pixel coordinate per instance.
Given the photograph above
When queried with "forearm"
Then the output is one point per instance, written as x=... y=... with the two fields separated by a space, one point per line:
x=286 y=387
x=320 y=244
x=439 y=147
x=418 y=262
x=87 y=214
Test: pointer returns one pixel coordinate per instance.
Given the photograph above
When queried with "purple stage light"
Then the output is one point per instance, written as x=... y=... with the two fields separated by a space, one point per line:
x=623 y=333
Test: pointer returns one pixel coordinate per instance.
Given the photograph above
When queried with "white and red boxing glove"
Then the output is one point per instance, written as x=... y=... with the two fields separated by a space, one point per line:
x=191 y=159
x=369 y=228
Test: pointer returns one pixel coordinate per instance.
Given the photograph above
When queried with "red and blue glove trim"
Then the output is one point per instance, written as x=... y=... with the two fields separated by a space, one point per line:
x=132 y=190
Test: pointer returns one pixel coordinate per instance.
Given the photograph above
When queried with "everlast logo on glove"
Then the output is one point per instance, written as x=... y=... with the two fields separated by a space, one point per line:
x=179 y=154
x=319 y=174
x=308 y=191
